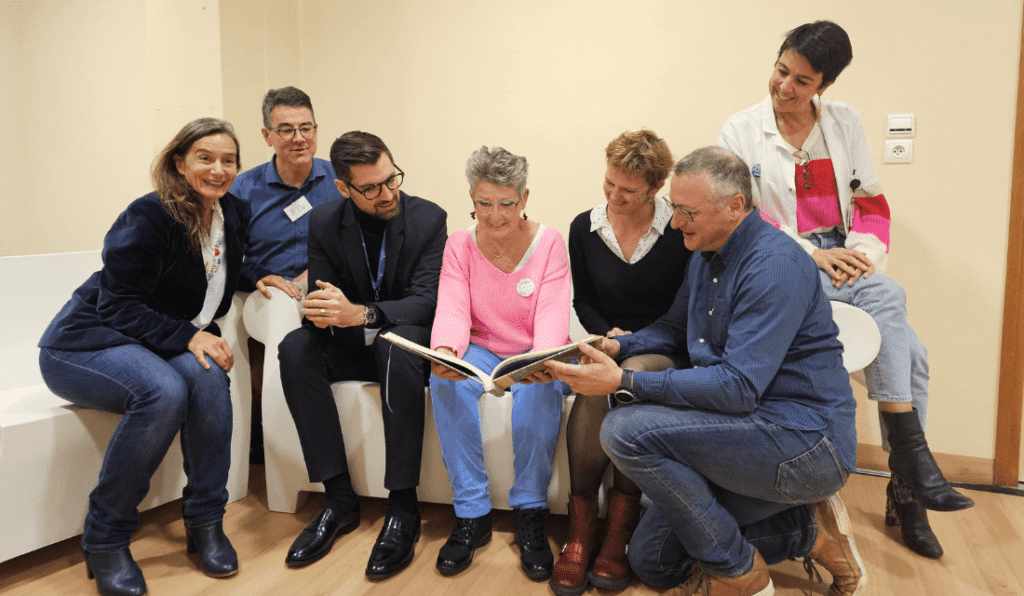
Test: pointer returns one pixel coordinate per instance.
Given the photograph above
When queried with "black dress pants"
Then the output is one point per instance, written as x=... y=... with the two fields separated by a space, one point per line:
x=312 y=360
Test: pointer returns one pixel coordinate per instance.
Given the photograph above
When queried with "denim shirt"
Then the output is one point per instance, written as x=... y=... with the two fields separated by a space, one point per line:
x=275 y=241
x=757 y=327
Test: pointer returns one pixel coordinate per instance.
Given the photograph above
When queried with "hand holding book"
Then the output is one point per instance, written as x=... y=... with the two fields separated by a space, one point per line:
x=597 y=373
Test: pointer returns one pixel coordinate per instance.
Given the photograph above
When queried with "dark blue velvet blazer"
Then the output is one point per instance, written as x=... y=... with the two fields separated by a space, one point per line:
x=151 y=285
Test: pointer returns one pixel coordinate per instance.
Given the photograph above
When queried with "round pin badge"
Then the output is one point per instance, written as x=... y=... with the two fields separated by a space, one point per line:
x=525 y=287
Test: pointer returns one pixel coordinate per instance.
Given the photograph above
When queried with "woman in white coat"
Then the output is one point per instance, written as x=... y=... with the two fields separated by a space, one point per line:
x=813 y=178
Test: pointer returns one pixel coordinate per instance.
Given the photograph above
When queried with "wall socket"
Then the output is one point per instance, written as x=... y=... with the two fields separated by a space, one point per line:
x=899 y=151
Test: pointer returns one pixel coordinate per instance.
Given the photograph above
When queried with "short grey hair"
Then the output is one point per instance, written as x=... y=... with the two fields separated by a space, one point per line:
x=728 y=173
x=499 y=167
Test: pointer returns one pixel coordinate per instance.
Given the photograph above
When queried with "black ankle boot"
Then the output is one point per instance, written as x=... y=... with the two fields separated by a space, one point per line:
x=902 y=510
x=912 y=461
x=217 y=557
x=116 y=573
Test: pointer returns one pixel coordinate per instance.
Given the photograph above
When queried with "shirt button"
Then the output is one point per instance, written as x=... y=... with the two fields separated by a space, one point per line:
x=710 y=312
x=715 y=280
x=702 y=340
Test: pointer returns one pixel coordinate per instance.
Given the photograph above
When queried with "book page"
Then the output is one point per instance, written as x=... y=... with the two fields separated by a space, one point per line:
x=515 y=369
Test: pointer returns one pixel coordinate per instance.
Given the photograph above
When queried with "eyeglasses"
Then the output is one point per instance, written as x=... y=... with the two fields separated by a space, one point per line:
x=506 y=205
x=689 y=212
x=804 y=175
x=288 y=133
x=373 y=191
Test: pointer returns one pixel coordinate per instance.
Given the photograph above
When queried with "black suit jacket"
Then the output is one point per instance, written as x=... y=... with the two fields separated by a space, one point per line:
x=151 y=285
x=414 y=246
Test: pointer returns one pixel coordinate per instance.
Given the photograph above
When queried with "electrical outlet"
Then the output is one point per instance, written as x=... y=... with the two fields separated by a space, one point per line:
x=899 y=151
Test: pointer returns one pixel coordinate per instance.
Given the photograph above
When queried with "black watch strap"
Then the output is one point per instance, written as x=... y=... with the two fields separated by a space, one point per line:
x=625 y=393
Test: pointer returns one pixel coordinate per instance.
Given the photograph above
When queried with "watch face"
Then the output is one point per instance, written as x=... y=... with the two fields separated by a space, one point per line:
x=625 y=396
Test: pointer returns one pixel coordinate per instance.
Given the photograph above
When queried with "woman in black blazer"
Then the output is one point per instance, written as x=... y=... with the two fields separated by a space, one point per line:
x=138 y=339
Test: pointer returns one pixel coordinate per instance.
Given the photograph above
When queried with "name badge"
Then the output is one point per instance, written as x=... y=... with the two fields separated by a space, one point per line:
x=297 y=209
x=525 y=287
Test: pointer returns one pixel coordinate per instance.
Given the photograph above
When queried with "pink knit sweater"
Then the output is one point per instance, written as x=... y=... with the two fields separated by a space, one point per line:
x=506 y=313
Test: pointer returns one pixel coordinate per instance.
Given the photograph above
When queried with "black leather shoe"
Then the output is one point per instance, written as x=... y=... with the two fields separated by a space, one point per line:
x=534 y=550
x=116 y=573
x=467 y=535
x=913 y=462
x=901 y=509
x=395 y=546
x=217 y=558
x=316 y=539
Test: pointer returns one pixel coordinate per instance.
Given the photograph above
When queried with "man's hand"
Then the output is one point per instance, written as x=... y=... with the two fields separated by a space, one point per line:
x=288 y=287
x=215 y=347
x=843 y=264
x=443 y=372
x=328 y=307
x=616 y=331
x=596 y=375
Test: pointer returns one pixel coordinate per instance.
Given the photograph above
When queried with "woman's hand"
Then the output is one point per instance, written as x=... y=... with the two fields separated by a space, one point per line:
x=843 y=264
x=288 y=287
x=443 y=372
x=212 y=346
x=597 y=374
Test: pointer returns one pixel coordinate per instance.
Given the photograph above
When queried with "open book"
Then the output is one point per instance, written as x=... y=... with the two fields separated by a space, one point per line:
x=508 y=372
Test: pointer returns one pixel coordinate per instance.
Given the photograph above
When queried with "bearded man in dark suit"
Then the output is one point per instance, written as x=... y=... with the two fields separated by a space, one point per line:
x=374 y=264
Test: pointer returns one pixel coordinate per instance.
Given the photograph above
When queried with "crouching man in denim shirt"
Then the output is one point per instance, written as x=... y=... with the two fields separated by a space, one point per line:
x=743 y=454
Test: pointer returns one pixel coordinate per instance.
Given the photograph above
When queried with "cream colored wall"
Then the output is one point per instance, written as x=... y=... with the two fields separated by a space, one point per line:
x=95 y=88
x=552 y=80
x=556 y=80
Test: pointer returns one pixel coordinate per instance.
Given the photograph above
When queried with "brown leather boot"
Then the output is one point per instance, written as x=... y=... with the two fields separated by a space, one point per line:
x=756 y=582
x=835 y=550
x=611 y=569
x=569 y=576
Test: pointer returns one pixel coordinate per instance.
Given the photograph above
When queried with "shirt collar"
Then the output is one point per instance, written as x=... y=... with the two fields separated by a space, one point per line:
x=738 y=241
x=662 y=217
x=270 y=176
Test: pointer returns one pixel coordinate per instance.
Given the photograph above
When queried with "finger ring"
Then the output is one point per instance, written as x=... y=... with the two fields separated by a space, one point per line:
x=323 y=311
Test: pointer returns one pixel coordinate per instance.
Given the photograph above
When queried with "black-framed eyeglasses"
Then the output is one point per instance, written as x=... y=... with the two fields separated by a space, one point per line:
x=288 y=132
x=689 y=212
x=373 y=191
x=504 y=205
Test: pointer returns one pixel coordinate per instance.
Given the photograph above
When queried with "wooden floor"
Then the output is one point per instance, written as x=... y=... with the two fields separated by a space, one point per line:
x=984 y=554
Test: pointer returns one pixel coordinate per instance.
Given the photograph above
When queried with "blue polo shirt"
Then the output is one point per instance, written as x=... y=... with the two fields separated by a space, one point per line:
x=277 y=242
x=758 y=329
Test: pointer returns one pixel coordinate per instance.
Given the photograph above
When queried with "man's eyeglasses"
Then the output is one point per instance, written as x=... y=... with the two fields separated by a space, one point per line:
x=506 y=205
x=373 y=191
x=688 y=213
x=288 y=132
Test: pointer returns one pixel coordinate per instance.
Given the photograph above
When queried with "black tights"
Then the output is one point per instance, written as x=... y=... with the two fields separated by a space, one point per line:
x=587 y=461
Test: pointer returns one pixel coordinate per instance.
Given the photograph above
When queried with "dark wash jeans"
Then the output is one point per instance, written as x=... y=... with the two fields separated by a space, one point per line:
x=158 y=397
x=721 y=485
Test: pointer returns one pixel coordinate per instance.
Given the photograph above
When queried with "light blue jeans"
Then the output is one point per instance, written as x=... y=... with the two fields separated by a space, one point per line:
x=158 y=397
x=536 y=417
x=900 y=371
x=710 y=474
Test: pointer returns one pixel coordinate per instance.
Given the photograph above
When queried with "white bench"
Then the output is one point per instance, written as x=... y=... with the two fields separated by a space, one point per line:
x=288 y=483
x=50 y=450
x=359 y=406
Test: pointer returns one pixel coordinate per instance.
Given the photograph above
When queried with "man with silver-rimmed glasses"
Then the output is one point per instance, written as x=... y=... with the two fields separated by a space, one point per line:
x=374 y=263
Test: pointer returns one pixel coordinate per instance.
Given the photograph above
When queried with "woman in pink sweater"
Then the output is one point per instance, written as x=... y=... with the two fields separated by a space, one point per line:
x=504 y=290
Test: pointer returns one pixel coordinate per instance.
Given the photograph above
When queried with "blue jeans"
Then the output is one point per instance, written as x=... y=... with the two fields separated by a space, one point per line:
x=709 y=474
x=536 y=417
x=157 y=397
x=900 y=371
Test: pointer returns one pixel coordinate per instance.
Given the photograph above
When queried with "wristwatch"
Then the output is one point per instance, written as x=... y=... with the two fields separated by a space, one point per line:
x=369 y=315
x=624 y=394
